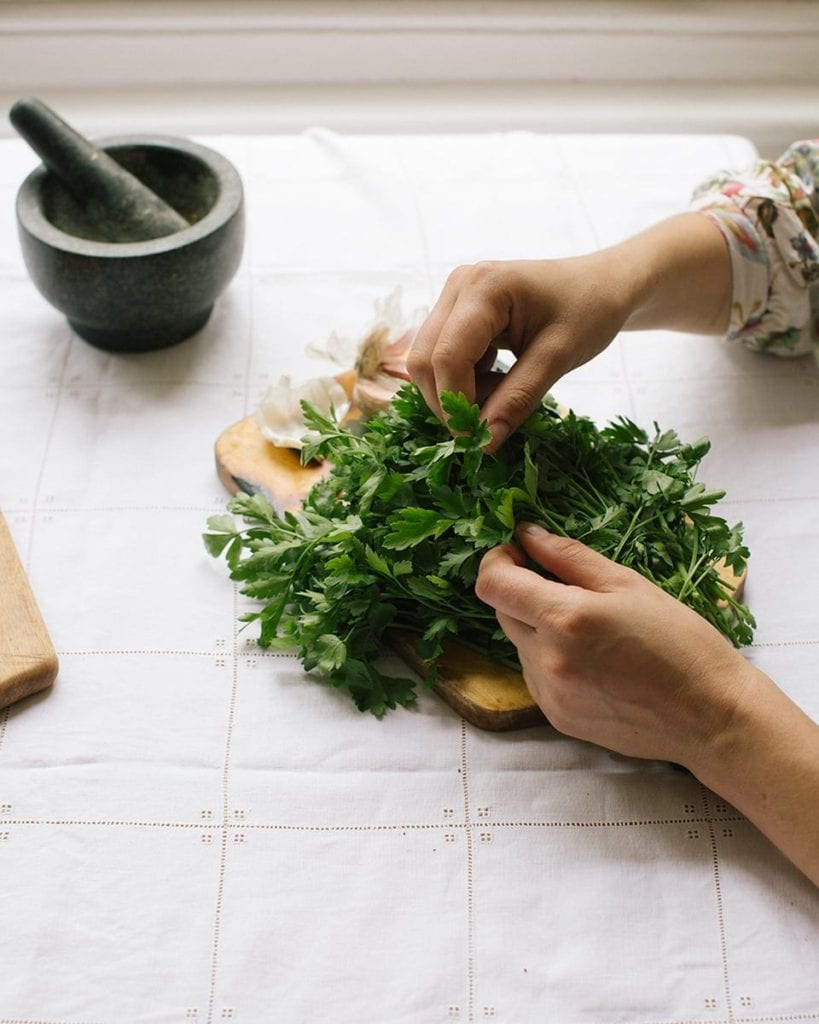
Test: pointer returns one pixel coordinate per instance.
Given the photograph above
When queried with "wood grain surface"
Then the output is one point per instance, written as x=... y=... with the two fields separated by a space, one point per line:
x=28 y=662
x=246 y=461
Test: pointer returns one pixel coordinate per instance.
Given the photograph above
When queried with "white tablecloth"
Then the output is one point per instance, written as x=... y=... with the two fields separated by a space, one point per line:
x=190 y=830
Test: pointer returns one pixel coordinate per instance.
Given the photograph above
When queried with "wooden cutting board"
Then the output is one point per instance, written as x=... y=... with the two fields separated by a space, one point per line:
x=490 y=696
x=28 y=662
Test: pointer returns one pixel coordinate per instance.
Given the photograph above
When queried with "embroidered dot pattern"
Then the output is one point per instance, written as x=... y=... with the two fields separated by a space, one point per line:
x=239 y=837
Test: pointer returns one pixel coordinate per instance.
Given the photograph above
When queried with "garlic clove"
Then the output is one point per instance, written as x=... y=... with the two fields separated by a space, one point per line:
x=280 y=416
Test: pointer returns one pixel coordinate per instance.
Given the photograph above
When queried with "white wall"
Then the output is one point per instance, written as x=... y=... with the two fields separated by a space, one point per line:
x=193 y=66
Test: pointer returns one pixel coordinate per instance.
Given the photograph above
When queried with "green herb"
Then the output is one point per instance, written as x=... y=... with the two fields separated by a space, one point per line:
x=393 y=537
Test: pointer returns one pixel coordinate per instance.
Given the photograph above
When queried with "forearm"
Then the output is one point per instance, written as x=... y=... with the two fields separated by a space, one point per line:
x=767 y=766
x=675 y=275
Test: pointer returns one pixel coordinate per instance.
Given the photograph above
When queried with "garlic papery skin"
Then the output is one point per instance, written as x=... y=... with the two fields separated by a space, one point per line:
x=280 y=416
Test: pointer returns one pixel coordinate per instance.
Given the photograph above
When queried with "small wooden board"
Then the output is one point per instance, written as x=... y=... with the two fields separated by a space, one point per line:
x=28 y=662
x=488 y=695
x=493 y=697
x=247 y=461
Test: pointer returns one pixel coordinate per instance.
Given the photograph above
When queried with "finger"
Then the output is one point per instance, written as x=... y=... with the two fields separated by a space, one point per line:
x=419 y=360
x=511 y=589
x=466 y=337
x=518 y=632
x=518 y=395
x=504 y=554
x=573 y=562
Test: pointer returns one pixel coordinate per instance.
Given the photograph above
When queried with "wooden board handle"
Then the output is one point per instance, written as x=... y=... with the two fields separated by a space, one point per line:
x=28 y=662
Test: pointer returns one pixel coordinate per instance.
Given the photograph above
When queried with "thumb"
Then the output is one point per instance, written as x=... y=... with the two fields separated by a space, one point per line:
x=573 y=562
x=513 y=398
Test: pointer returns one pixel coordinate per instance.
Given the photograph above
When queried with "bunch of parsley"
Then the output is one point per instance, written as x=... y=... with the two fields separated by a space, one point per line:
x=393 y=537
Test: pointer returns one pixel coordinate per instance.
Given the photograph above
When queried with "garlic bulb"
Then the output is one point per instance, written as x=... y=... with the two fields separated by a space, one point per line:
x=280 y=416
x=380 y=368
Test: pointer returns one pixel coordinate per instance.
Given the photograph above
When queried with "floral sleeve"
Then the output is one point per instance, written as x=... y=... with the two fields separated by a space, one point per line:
x=769 y=217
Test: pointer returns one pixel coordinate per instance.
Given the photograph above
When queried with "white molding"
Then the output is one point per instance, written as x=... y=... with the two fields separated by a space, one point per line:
x=770 y=118
x=751 y=17
x=743 y=66
x=256 y=42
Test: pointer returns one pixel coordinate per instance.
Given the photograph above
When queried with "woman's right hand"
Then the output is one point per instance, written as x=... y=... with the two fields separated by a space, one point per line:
x=557 y=314
x=553 y=315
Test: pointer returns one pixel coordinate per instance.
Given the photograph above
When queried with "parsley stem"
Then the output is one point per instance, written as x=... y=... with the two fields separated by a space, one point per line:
x=395 y=533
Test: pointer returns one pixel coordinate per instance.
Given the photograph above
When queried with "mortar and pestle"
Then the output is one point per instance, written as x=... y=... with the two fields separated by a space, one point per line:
x=132 y=238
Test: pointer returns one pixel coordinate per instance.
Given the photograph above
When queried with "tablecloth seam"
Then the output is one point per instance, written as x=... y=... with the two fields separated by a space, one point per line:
x=470 y=882
x=719 y=904
x=38 y=483
x=235 y=655
x=432 y=826
x=226 y=824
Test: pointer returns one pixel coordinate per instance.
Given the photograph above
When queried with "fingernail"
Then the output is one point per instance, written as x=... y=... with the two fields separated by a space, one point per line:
x=499 y=430
x=532 y=529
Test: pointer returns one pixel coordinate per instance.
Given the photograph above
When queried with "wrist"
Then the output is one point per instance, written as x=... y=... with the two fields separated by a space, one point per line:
x=718 y=759
x=765 y=762
x=631 y=270
x=676 y=275
x=625 y=273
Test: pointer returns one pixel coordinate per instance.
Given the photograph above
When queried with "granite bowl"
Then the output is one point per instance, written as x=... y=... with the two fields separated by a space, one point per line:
x=137 y=296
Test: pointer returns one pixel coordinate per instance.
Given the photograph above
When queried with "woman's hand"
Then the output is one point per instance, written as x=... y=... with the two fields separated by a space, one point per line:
x=612 y=659
x=555 y=315
x=609 y=656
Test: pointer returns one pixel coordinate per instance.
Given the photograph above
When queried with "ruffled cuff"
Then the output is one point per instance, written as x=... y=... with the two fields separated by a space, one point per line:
x=766 y=218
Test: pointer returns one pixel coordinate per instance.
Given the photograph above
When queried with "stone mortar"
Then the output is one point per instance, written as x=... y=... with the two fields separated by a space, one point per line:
x=137 y=296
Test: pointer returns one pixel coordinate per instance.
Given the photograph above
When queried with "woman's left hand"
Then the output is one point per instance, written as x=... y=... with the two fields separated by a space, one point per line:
x=608 y=655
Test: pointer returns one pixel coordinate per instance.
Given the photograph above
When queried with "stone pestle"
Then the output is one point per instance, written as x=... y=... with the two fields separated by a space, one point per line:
x=122 y=208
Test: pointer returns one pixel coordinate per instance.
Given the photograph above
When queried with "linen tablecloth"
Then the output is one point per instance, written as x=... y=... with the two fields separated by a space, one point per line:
x=192 y=830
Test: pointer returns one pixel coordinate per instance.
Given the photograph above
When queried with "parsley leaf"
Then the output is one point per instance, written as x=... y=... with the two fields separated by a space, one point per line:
x=393 y=536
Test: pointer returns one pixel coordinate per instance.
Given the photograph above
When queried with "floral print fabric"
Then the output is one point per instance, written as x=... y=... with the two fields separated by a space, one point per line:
x=769 y=217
